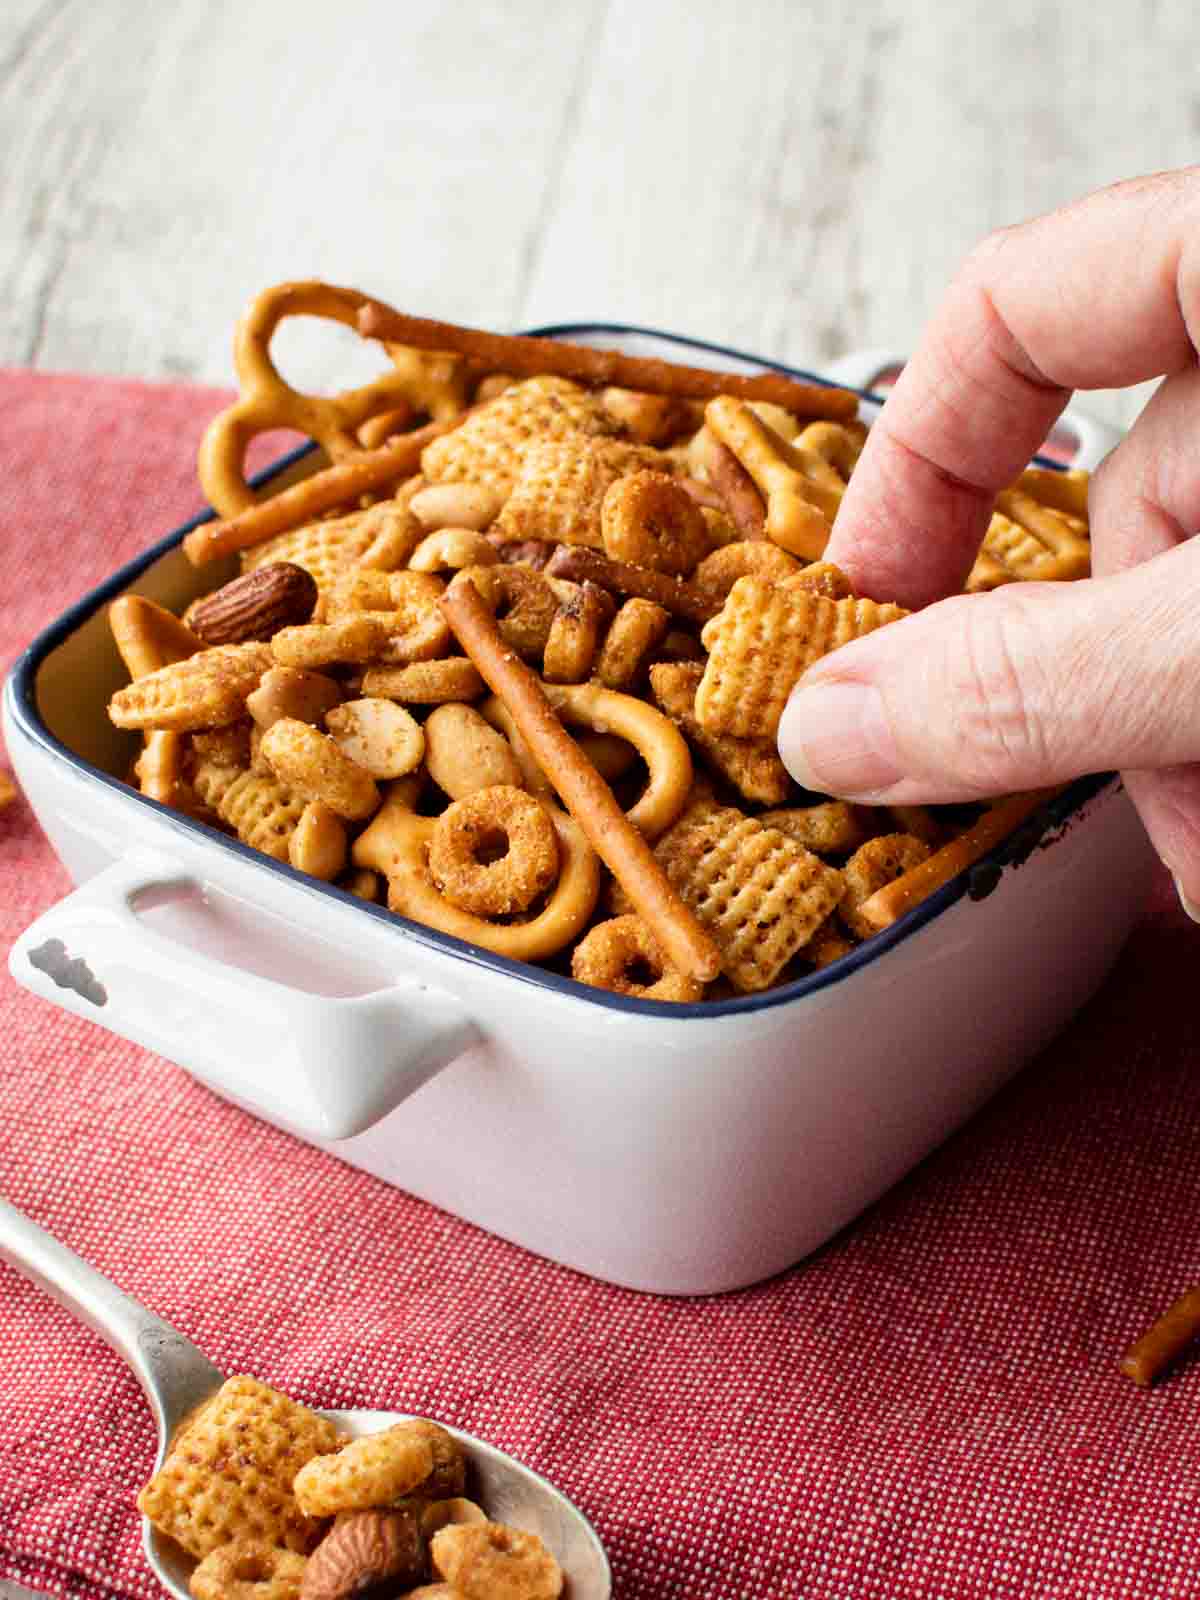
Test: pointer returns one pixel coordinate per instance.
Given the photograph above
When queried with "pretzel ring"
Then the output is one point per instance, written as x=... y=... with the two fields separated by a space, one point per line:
x=465 y=834
x=618 y=954
x=647 y=519
x=397 y=842
x=655 y=738
x=269 y=401
x=520 y=599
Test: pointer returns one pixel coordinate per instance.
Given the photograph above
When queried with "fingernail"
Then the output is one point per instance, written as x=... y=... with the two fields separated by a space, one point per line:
x=835 y=738
x=1190 y=906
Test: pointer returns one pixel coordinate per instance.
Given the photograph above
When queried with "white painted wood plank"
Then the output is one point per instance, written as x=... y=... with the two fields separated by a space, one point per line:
x=775 y=175
x=164 y=163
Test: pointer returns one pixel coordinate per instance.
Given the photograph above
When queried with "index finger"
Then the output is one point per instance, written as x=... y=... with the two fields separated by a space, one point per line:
x=1095 y=295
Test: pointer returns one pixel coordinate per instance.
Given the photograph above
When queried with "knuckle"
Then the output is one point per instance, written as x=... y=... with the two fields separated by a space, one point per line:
x=998 y=697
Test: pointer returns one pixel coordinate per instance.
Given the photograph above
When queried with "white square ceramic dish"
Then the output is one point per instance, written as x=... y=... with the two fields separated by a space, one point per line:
x=679 y=1149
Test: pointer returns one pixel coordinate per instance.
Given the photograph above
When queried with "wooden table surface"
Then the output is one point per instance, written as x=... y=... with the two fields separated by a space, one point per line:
x=794 y=178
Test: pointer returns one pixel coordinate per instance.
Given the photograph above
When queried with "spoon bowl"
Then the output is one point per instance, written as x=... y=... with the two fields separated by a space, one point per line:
x=177 y=1377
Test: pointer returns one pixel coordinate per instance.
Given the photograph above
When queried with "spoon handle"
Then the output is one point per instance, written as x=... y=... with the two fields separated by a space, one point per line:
x=174 y=1374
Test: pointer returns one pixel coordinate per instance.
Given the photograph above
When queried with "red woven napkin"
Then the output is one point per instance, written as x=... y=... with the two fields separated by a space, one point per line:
x=930 y=1407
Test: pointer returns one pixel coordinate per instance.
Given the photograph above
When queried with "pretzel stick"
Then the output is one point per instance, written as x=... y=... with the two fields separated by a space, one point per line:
x=903 y=893
x=583 y=791
x=1165 y=1342
x=745 y=505
x=682 y=599
x=308 y=499
x=529 y=357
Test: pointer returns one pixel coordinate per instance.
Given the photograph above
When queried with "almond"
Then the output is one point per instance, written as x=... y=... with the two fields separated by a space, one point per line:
x=256 y=605
x=364 y=1549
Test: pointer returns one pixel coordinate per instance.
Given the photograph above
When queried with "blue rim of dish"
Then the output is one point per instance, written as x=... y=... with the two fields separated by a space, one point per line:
x=982 y=875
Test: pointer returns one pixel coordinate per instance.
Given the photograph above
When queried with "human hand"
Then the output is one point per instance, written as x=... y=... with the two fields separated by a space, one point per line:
x=1031 y=684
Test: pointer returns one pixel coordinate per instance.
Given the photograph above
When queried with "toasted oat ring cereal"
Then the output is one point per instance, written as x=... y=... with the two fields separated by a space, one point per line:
x=470 y=828
x=371 y=1471
x=455 y=1512
x=248 y=1569
x=426 y=683
x=397 y=844
x=406 y=602
x=575 y=633
x=637 y=629
x=311 y=763
x=654 y=736
x=522 y=602
x=464 y=753
x=758 y=558
x=487 y=1561
x=647 y=519
x=623 y=955
x=873 y=865
x=451 y=549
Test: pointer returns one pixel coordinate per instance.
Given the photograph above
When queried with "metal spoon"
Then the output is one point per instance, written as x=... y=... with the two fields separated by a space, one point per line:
x=177 y=1377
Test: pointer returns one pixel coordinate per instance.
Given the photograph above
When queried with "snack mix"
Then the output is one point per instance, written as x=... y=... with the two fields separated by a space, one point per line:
x=274 y=1504
x=513 y=663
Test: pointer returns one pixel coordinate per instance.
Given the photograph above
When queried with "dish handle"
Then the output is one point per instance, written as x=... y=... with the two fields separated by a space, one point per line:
x=1076 y=440
x=324 y=1066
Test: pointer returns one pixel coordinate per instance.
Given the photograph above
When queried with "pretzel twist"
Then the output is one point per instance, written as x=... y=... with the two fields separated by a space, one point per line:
x=268 y=401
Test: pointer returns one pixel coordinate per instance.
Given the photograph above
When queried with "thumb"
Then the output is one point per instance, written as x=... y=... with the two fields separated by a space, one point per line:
x=1029 y=685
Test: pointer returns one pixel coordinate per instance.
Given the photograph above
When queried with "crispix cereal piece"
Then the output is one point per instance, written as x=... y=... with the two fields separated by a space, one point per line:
x=560 y=491
x=762 y=641
x=759 y=894
x=263 y=812
x=206 y=690
x=229 y=1472
x=830 y=829
x=751 y=765
x=490 y=447
x=1028 y=541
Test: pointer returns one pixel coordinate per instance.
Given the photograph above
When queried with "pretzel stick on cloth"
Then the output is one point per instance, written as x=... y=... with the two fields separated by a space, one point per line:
x=1162 y=1345
x=584 y=792
x=335 y=486
x=524 y=356
x=886 y=905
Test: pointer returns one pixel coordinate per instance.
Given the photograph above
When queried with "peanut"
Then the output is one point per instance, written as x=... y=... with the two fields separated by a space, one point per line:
x=456 y=505
x=464 y=753
x=378 y=735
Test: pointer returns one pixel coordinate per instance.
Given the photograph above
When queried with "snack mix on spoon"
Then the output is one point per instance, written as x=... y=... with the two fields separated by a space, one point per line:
x=513 y=663
x=275 y=1505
